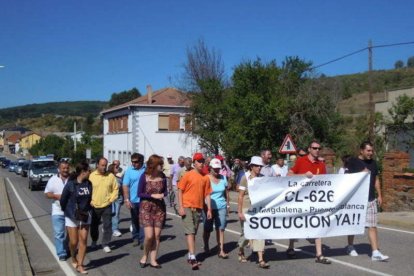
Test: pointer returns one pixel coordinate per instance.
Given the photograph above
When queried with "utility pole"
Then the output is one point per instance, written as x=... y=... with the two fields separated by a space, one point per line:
x=371 y=130
x=74 y=135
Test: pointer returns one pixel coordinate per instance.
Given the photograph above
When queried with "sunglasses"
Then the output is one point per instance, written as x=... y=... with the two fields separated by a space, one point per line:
x=201 y=161
x=135 y=161
x=316 y=148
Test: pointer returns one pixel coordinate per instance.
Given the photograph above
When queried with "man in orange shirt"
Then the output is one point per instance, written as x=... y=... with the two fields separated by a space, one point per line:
x=193 y=192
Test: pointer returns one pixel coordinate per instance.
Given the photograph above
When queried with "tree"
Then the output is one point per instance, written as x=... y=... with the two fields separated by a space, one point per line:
x=51 y=144
x=410 y=62
x=399 y=64
x=204 y=78
x=401 y=110
x=400 y=132
x=123 y=97
x=257 y=109
x=202 y=64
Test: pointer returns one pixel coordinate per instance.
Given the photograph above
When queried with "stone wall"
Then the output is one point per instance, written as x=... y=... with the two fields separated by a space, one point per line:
x=397 y=187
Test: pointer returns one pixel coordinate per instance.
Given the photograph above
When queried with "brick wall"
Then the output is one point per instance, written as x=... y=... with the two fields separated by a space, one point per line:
x=397 y=187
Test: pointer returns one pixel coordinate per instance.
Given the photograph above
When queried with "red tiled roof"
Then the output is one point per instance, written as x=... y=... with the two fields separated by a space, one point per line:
x=13 y=138
x=163 y=97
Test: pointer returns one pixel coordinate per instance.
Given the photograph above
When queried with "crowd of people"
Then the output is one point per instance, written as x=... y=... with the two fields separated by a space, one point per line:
x=197 y=188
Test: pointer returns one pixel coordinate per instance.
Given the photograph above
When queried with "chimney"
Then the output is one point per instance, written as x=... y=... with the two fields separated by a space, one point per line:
x=149 y=93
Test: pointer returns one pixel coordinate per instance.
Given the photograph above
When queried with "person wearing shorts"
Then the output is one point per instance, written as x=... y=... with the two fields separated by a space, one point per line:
x=76 y=197
x=219 y=206
x=193 y=192
x=365 y=162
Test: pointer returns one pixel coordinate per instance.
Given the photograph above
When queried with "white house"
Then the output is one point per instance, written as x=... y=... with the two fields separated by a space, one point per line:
x=156 y=123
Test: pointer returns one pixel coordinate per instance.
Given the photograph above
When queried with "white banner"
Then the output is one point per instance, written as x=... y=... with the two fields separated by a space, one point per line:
x=298 y=207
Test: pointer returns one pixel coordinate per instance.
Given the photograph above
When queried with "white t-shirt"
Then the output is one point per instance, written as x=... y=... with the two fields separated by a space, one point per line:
x=55 y=185
x=280 y=171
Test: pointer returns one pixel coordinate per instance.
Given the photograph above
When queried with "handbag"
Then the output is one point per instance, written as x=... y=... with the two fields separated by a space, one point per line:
x=80 y=215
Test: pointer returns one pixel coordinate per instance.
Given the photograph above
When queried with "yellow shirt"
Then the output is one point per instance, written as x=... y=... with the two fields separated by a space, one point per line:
x=104 y=189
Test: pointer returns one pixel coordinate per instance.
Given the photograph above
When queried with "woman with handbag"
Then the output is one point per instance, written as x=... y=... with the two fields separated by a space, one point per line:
x=76 y=204
x=152 y=189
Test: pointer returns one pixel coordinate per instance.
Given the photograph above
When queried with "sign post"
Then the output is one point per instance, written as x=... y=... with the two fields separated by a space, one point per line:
x=287 y=147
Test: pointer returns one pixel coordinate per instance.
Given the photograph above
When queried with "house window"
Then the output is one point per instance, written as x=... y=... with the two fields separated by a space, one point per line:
x=173 y=122
x=163 y=122
x=118 y=124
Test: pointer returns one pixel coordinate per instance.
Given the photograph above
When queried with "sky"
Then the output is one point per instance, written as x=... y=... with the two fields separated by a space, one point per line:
x=87 y=49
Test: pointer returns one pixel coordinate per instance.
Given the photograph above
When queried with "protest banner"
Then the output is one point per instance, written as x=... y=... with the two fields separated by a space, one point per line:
x=300 y=207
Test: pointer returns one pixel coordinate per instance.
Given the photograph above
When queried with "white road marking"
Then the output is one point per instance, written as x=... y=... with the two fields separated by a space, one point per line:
x=375 y=272
x=63 y=265
x=395 y=230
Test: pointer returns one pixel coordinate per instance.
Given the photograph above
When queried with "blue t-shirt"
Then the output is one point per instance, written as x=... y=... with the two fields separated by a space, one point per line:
x=131 y=180
x=218 y=199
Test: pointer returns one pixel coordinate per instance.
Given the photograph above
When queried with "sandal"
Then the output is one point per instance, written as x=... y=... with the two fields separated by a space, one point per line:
x=322 y=260
x=223 y=256
x=242 y=258
x=291 y=254
x=263 y=264
x=81 y=270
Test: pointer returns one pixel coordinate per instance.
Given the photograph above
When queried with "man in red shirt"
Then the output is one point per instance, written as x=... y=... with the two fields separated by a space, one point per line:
x=309 y=165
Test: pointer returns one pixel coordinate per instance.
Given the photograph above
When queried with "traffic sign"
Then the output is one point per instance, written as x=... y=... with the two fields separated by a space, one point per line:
x=287 y=146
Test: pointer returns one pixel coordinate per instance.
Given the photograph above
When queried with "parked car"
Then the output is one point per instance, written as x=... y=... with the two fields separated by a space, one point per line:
x=40 y=171
x=5 y=163
x=25 y=168
x=2 y=158
x=12 y=166
x=19 y=166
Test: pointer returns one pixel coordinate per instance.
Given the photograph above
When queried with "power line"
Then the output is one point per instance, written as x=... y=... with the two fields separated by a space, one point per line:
x=358 y=51
x=394 y=44
x=337 y=59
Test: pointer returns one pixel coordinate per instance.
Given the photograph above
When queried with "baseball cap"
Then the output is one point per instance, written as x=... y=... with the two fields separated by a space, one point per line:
x=169 y=156
x=256 y=160
x=215 y=163
x=198 y=156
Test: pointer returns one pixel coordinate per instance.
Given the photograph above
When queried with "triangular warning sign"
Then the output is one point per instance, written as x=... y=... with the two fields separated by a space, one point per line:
x=287 y=146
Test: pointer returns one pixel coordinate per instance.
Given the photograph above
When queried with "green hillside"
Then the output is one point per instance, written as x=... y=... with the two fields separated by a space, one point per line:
x=382 y=80
x=76 y=108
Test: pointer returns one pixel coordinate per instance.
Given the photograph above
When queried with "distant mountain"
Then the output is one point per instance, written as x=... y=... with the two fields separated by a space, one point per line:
x=77 y=108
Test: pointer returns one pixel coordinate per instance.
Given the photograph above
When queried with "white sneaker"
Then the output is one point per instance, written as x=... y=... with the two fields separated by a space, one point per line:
x=350 y=250
x=378 y=257
x=116 y=233
x=107 y=249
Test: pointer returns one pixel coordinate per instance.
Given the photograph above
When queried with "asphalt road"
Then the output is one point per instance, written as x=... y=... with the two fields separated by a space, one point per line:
x=34 y=223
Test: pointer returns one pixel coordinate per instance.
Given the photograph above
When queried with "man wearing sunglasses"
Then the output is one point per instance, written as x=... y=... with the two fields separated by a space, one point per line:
x=309 y=165
x=131 y=199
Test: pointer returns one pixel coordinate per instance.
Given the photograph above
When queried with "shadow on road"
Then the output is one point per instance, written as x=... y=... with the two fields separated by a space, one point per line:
x=6 y=229
x=172 y=256
x=104 y=261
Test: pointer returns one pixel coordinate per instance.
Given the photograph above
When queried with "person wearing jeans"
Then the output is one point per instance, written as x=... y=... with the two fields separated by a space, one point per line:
x=53 y=190
x=116 y=205
x=131 y=199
